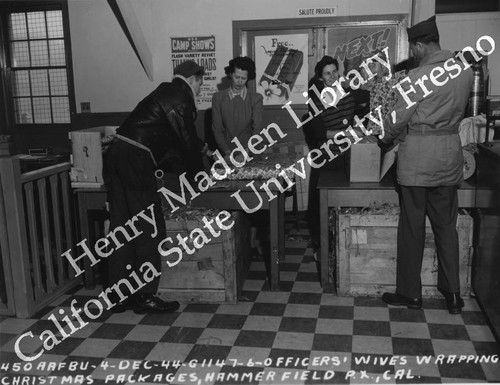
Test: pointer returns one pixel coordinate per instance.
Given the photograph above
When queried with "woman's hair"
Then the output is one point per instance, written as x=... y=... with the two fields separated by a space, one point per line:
x=244 y=64
x=381 y=54
x=325 y=60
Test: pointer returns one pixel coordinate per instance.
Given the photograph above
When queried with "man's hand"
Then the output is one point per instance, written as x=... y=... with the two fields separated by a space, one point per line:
x=383 y=145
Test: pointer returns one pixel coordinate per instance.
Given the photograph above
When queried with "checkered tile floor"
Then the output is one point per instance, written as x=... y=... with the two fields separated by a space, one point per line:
x=301 y=335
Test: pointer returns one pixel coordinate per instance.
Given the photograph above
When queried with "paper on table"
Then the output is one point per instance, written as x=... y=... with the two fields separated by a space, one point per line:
x=388 y=159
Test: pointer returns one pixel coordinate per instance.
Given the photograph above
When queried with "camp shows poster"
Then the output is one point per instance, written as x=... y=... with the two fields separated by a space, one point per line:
x=281 y=62
x=201 y=49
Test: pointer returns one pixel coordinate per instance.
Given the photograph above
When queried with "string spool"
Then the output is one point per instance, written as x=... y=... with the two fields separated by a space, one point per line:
x=469 y=163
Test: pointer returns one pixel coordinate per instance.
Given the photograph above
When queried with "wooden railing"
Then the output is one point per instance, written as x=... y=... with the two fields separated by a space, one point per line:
x=37 y=227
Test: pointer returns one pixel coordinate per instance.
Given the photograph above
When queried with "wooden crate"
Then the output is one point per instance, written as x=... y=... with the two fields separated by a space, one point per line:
x=365 y=254
x=214 y=273
x=87 y=156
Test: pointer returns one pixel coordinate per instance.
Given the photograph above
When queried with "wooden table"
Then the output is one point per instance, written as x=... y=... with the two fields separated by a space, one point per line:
x=335 y=190
x=218 y=197
x=87 y=200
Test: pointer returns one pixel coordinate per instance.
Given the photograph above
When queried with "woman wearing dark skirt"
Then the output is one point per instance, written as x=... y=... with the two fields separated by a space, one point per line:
x=337 y=113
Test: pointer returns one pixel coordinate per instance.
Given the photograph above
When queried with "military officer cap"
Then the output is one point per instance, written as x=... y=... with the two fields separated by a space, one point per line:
x=424 y=28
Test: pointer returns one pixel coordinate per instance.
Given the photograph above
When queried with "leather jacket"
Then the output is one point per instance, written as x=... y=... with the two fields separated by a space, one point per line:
x=164 y=122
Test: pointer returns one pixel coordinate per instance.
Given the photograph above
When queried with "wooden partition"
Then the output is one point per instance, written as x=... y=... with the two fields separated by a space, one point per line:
x=38 y=228
x=7 y=305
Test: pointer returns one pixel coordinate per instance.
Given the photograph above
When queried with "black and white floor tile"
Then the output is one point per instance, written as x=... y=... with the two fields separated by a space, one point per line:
x=300 y=335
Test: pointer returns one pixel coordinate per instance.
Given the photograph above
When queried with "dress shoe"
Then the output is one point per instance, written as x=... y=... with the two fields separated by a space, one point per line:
x=396 y=299
x=257 y=253
x=454 y=302
x=121 y=307
x=148 y=303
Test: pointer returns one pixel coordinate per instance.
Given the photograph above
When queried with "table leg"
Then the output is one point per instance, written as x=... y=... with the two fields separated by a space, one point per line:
x=274 y=224
x=281 y=229
x=88 y=278
x=324 y=246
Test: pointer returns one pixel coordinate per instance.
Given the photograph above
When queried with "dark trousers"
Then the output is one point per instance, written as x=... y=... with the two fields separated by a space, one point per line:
x=132 y=187
x=313 y=202
x=313 y=208
x=440 y=204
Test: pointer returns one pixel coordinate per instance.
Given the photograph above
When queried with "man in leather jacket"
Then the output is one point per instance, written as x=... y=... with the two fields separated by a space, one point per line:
x=158 y=134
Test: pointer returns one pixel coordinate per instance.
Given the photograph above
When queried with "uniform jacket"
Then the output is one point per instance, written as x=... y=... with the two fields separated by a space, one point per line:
x=430 y=154
x=164 y=122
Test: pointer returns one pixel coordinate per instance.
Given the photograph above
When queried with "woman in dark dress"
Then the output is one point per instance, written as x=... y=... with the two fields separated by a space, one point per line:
x=337 y=113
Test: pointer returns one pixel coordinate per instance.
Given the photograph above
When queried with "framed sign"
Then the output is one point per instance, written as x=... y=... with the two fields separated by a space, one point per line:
x=283 y=81
x=281 y=67
x=349 y=39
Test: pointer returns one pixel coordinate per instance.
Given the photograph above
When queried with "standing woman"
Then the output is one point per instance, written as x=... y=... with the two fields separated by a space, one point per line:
x=324 y=126
x=237 y=114
x=236 y=111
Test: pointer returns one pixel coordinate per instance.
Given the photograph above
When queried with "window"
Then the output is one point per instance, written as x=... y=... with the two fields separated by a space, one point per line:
x=37 y=57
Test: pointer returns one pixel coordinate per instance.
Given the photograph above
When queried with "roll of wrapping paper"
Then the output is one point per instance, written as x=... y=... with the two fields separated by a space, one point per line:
x=469 y=162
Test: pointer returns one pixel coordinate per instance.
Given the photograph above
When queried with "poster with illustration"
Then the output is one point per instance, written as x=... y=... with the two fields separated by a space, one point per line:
x=201 y=49
x=281 y=62
x=350 y=46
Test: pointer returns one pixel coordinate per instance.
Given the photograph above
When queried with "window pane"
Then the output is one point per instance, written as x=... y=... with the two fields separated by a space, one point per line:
x=41 y=107
x=39 y=83
x=39 y=53
x=57 y=54
x=55 y=24
x=58 y=82
x=60 y=110
x=39 y=80
x=36 y=25
x=23 y=110
x=17 y=26
x=20 y=54
x=21 y=86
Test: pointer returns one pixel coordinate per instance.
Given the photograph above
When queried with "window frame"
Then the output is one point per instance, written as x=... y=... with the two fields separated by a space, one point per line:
x=7 y=113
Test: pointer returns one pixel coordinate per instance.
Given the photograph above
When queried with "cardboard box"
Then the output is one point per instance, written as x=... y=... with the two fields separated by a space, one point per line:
x=364 y=259
x=87 y=148
x=367 y=163
x=216 y=271
x=364 y=162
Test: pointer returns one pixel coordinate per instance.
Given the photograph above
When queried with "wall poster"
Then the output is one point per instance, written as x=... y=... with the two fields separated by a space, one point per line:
x=201 y=49
x=281 y=62
x=350 y=46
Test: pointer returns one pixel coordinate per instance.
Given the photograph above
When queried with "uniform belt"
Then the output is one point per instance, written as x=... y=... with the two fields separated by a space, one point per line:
x=423 y=131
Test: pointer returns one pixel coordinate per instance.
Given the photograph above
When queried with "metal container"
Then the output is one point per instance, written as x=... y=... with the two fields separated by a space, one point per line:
x=477 y=95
